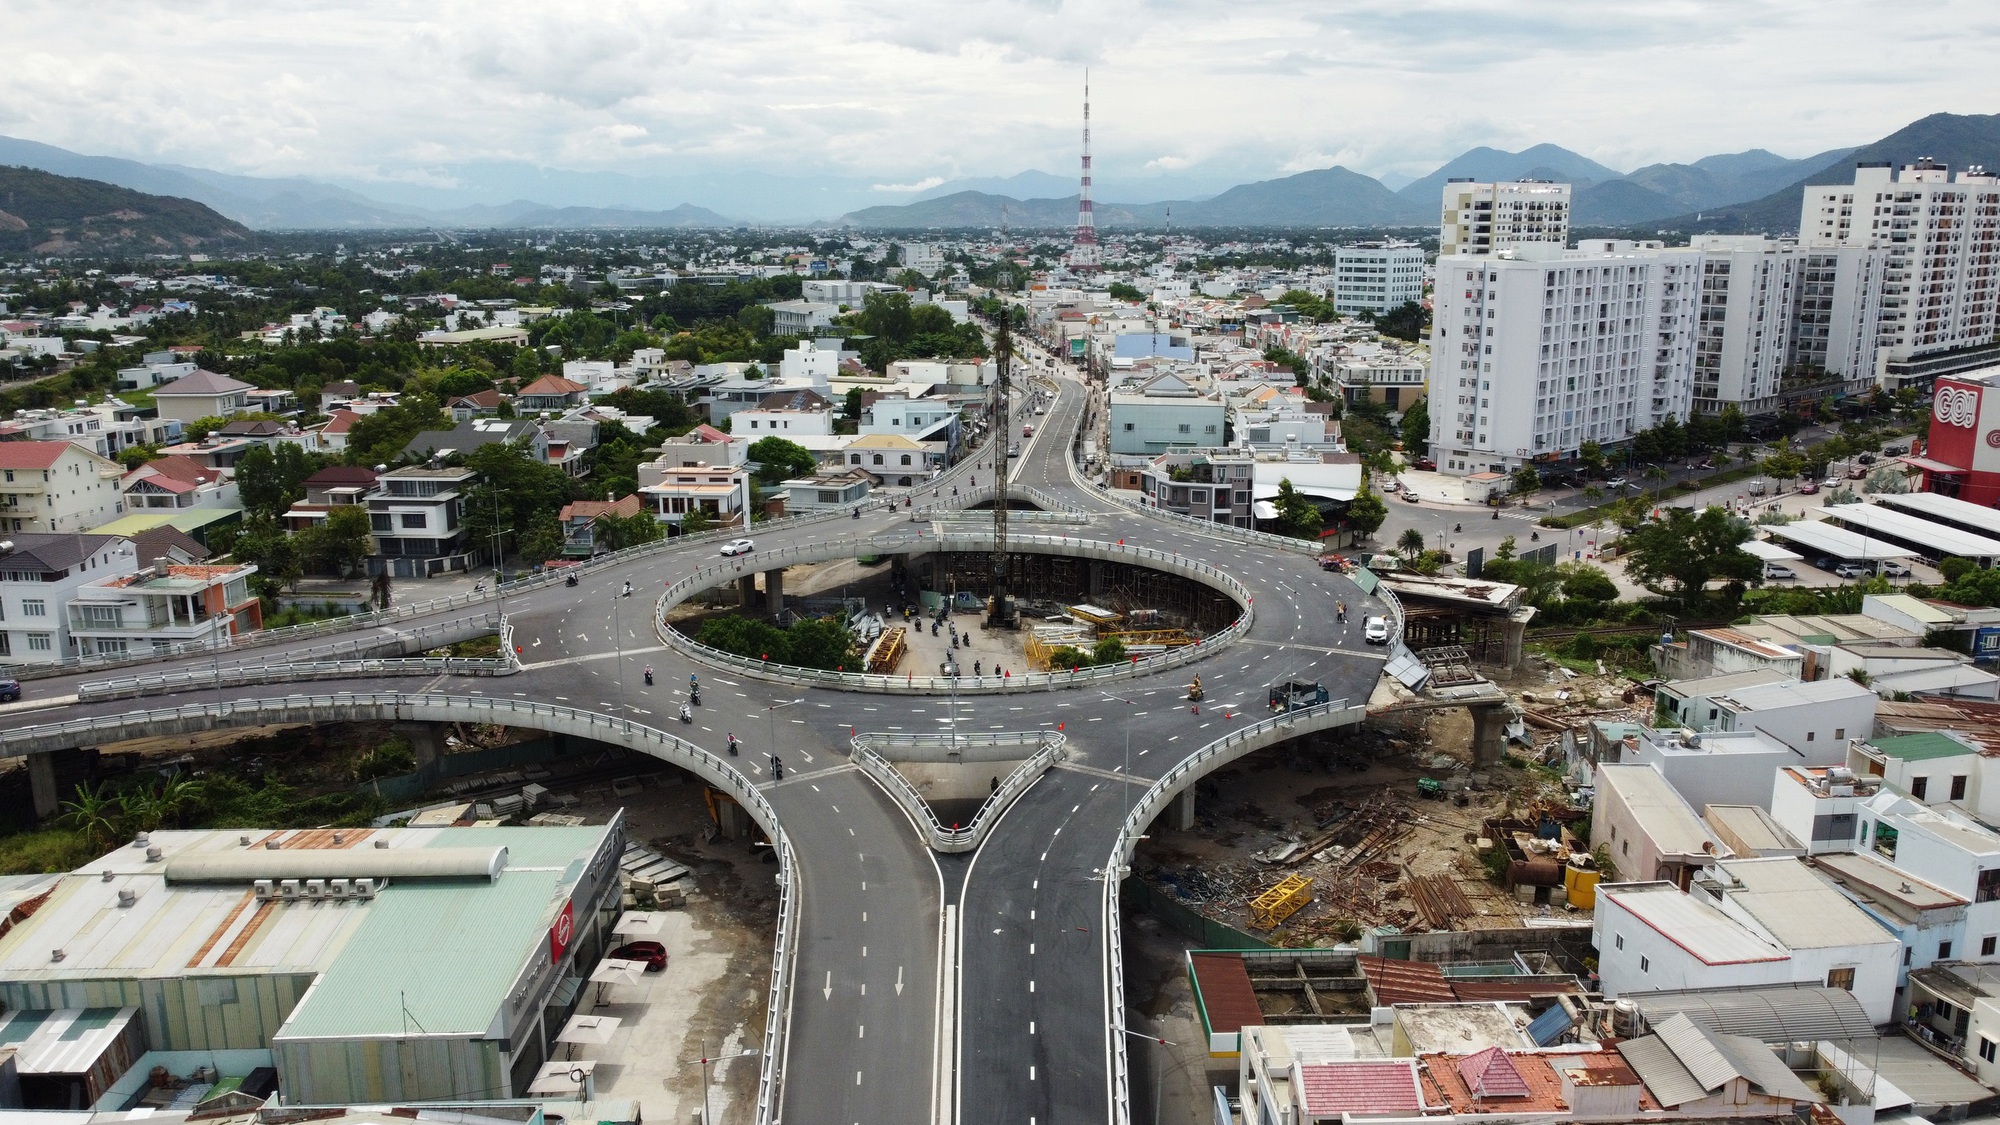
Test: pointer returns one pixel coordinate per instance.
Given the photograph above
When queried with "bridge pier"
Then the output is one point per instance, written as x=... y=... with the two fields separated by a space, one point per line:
x=42 y=785
x=1489 y=734
x=1180 y=812
x=746 y=591
x=1513 y=633
x=774 y=591
x=425 y=745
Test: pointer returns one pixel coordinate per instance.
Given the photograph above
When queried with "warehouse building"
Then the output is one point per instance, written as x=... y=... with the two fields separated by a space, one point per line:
x=370 y=965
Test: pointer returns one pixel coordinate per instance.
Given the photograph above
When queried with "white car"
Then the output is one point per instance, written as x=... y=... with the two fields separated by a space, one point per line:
x=1390 y=486
x=1376 y=631
x=738 y=547
x=1895 y=570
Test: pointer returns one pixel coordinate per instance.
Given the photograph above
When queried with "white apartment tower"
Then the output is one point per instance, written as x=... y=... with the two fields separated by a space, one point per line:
x=1536 y=350
x=1941 y=237
x=1749 y=292
x=1377 y=276
x=1481 y=218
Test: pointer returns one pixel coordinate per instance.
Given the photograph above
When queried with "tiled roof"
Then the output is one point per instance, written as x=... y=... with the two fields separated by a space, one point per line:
x=53 y=552
x=552 y=385
x=31 y=454
x=1228 y=1001
x=202 y=382
x=591 y=509
x=340 y=421
x=1491 y=1074
x=1374 y=1086
x=336 y=475
x=1405 y=982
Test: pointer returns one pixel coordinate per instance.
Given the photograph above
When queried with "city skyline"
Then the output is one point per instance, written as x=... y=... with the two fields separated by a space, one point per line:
x=1187 y=101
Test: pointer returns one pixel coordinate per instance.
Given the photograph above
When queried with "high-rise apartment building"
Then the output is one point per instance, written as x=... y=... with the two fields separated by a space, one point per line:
x=1836 y=324
x=1377 y=276
x=1940 y=235
x=1536 y=349
x=1480 y=218
x=1749 y=293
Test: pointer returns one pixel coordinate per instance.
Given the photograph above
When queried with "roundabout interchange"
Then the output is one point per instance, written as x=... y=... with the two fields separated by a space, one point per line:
x=911 y=985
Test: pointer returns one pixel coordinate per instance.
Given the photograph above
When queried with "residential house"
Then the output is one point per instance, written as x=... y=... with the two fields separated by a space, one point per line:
x=1744 y=922
x=895 y=459
x=785 y=414
x=169 y=543
x=552 y=393
x=703 y=445
x=478 y=404
x=1716 y=652
x=57 y=486
x=333 y=432
x=801 y=318
x=1809 y=717
x=177 y=482
x=1721 y=767
x=834 y=488
x=468 y=436
x=1648 y=829
x=1695 y=1072
x=1821 y=808
x=1927 y=919
x=1932 y=768
x=202 y=394
x=417 y=518
x=334 y=395
x=579 y=522
x=920 y=419
x=150 y=374
x=1164 y=413
x=279 y=401
x=721 y=493
x=161 y=606
x=1955 y=1008
x=39 y=573
x=335 y=486
x=1217 y=485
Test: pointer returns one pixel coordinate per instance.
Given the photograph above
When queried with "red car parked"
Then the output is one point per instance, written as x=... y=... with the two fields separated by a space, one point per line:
x=651 y=952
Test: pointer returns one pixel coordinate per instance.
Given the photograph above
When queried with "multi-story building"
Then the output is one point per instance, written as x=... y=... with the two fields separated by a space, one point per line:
x=57 y=486
x=1394 y=378
x=1217 y=485
x=39 y=573
x=336 y=486
x=202 y=394
x=1480 y=218
x=162 y=606
x=1536 y=350
x=1749 y=292
x=1940 y=234
x=1377 y=276
x=417 y=518
x=1962 y=457
x=721 y=493
x=1165 y=413
x=789 y=413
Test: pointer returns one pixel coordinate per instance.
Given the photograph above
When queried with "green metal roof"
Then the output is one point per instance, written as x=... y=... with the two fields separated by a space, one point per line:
x=1921 y=747
x=438 y=957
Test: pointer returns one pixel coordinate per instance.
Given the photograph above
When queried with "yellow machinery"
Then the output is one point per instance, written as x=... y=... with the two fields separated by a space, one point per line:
x=1270 y=909
x=887 y=651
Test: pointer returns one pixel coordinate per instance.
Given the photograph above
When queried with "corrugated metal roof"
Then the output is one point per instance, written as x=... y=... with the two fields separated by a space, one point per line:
x=1228 y=1001
x=1710 y=935
x=1774 y=1014
x=1669 y=1082
x=65 y=1041
x=1405 y=982
x=1690 y=1044
x=1754 y=1061
x=1799 y=908
x=446 y=953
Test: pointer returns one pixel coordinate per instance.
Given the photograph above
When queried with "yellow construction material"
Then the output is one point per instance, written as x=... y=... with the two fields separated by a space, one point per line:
x=1168 y=638
x=1272 y=907
x=1580 y=878
x=887 y=651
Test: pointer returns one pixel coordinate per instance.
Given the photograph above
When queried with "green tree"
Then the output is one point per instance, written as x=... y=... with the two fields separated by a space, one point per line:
x=780 y=460
x=695 y=522
x=513 y=487
x=1416 y=428
x=202 y=427
x=820 y=642
x=1591 y=456
x=1505 y=552
x=620 y=532
x=1682 y=553
x=341 y=542
x=1583 y=582
x=1367 y=511
x=1525 y=482
x=1784 y=463
x=1411 y=543
x=543 y=540
x=1109 y=650
x=1408 y=321
x=379 y=438
x=1298 y=516
x=1122 y=292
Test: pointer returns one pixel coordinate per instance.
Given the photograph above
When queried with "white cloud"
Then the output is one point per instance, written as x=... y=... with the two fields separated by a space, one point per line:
x=925 y=184
x=379 y=89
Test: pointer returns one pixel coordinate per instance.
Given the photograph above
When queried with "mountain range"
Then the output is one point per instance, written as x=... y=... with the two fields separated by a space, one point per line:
x=43 y=213
x=1755 y=190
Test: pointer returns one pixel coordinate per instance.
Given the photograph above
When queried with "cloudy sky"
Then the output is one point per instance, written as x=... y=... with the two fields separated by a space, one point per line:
x=897 y=97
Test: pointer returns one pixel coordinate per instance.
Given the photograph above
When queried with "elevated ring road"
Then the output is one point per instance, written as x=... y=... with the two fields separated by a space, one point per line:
x=1008 y=1014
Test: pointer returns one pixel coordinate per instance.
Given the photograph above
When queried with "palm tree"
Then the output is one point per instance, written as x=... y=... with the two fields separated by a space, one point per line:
x=92 y=814
x=1411 y=543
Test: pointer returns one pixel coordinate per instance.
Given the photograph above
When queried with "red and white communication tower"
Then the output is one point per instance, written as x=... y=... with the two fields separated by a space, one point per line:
x=1083 y=252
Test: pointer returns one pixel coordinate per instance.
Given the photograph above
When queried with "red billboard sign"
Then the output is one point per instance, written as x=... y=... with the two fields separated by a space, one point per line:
x=561 y=933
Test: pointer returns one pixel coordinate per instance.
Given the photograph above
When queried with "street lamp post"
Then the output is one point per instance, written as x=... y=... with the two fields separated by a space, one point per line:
x=771 y=720
x=1159 y=1069
x=705 y=1063
x=618 y=646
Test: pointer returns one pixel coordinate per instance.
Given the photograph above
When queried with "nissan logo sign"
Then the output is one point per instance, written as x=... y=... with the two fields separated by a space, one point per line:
x=1956 y=406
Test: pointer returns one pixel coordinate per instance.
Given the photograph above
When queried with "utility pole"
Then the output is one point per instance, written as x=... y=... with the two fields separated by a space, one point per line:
x=499 y=575
x=1001 y=614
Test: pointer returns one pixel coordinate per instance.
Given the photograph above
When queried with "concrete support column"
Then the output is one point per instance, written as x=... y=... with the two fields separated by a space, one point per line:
x=1489 y=734
x=424 y=741
x=774 y=591
x=1098 y=576
x=42 y=785
x=1180 y=811
x=730 y=819
x=1511 y=636
x=746 y=590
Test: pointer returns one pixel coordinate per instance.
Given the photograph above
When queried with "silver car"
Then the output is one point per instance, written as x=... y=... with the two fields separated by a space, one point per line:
x=1376 y=631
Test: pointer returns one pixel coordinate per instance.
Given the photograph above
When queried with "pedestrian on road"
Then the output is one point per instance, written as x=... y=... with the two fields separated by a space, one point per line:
x=1340 y=611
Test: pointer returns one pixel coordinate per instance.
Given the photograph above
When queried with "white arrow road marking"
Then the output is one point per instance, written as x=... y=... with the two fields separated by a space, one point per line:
x=899 y=980
x=828 y=990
